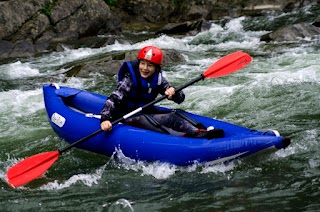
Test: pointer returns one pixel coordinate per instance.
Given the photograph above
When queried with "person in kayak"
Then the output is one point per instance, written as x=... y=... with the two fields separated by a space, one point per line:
x=140 y=82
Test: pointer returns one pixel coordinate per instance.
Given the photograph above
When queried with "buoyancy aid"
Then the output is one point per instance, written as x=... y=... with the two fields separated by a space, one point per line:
x=143 y=90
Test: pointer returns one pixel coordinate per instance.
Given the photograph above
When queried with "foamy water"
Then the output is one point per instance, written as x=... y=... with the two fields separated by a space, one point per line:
x=18 y=70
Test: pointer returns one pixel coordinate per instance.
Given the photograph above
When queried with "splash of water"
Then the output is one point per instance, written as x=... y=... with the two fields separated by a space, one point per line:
x=18 y=70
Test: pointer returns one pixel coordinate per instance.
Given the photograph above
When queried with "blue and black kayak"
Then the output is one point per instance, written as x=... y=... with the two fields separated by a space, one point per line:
x=74 y=114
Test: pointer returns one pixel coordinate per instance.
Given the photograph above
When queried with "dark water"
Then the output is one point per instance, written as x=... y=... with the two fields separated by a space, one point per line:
x=278 y=90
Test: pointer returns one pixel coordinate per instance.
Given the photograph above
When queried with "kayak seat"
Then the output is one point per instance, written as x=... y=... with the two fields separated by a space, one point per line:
x=155 y=123
x=201 y=133
x=195 y=123
x=146 y=121
x=209 y=134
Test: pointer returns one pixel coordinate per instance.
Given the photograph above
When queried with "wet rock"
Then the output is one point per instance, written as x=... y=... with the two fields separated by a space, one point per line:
x=5 y=48
x=22 y=49
x=172 y=56
x=185 y=27
x=149 y=11
x=14 y=14
x=71 y=20
x=60 y=20
x=292 y=33
x=32 y=28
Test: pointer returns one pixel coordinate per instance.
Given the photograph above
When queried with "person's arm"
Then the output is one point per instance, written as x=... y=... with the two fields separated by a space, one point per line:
x=113 y=101
x=178 y=97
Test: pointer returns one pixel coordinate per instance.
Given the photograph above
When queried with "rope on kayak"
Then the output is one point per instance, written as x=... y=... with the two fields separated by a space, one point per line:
x=91 y=115
x=55 y=85
x=275 y=132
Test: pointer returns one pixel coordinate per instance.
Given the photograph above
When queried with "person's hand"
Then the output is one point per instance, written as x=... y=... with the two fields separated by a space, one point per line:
x=106 y=125
x=170 y=92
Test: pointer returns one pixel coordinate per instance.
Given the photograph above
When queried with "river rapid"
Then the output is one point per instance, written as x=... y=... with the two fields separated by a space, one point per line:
x=278 y=90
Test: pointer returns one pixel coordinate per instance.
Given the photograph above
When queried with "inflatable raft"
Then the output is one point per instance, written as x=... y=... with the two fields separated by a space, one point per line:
x=74 y=114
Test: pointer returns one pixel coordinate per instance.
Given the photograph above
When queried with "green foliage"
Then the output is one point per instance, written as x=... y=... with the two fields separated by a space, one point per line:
x=47 y=10
x=111 y=2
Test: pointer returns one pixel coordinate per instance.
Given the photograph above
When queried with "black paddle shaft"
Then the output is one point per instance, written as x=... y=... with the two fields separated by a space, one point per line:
x=201 y=77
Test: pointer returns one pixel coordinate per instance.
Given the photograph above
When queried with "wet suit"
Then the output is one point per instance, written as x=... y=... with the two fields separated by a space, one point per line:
x=133 y=91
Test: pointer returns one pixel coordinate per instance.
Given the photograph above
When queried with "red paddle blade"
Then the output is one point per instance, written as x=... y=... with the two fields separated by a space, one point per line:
x=31 y=168
x=228 y=64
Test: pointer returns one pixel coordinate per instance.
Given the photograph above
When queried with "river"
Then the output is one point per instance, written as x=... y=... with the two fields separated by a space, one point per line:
x=278 y=90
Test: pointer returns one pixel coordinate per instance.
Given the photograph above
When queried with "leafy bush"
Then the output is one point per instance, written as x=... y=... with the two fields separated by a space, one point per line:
x=47 y=10
x=111 y=2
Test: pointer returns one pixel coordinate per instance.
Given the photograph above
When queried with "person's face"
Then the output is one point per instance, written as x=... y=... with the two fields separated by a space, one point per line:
x=146 y=68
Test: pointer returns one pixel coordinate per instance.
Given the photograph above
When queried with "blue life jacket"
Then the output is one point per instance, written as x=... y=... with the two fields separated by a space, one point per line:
x=143 y=90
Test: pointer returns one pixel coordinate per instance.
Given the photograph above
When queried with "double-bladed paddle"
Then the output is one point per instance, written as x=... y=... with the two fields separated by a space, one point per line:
x=36 y=165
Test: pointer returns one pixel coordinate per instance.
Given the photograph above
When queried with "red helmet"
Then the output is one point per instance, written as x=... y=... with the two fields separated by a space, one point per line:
x=151 y=54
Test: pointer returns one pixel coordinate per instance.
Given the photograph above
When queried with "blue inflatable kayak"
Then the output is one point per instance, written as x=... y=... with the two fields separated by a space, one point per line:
x=74 y=114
